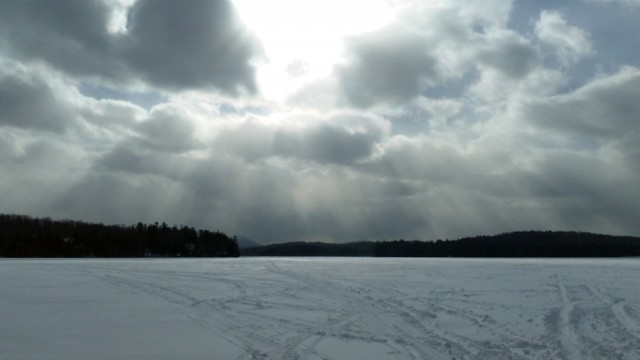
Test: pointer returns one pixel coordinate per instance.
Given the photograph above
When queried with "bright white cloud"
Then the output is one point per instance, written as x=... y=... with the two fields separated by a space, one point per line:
x=570 y=43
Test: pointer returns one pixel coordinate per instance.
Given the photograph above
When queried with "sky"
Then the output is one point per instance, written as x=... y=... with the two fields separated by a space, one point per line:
x=324 y=120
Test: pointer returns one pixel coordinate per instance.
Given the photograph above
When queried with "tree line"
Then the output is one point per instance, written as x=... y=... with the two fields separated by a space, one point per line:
x=301 y=248
x=24 y=236
x=517 y=244
x=514 y=244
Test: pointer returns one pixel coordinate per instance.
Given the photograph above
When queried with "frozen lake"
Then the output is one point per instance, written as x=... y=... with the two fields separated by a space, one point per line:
x=320 y=308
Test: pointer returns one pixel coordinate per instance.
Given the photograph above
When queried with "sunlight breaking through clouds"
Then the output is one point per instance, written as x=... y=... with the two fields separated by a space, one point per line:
x=323 y=120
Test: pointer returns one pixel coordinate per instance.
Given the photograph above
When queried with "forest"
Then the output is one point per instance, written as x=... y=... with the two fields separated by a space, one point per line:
x=514 y=244
x=24 y=236
x=301 y=248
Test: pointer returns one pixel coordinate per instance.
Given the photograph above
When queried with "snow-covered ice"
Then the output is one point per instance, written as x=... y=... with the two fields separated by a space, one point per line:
x=320 y=308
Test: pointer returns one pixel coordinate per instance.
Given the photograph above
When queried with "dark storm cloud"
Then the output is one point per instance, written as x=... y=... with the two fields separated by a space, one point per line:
x=171 y=44
x=167 y=129
x=340 y=139
x=391 y=66
x=510 y=55
x=190 y=44
x=125 y=158
x=71 y=35
x=325 y=143
x=28 y=102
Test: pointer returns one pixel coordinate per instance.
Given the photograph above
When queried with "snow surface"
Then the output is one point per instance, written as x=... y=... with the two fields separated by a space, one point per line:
x=320 y=308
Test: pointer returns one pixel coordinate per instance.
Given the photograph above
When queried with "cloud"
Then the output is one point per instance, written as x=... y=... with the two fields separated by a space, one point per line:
x=623 y=2
x=341 y=139
x=35 y=169
x=168 y=128
x=174 y=45
x=604 y=108
x=387 y=67
x=431 y=48
x=415 y=158
x=116 y=115
x=448 y=120
x=29 y=102
x=194 y=44
x=570 y=43
x=326 y=143
x=119 y=198
x=599 y=120
x=508 y=53
x=590 y=192
x=70 y=35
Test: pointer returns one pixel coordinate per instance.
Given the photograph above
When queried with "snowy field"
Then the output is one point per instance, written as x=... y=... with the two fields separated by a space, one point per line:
x=325 y=308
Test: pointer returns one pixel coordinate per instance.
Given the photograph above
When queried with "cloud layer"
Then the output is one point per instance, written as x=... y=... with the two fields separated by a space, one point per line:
x=195 y=45
x=445 y=121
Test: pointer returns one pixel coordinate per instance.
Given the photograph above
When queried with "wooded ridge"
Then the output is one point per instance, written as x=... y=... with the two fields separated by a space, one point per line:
x=513 y=244
x=24 y=236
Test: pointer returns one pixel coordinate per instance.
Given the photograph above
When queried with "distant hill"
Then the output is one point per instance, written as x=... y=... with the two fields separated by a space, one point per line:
x=24 y=236
x=245 y=242
x=514 y=244
x=362 y=248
